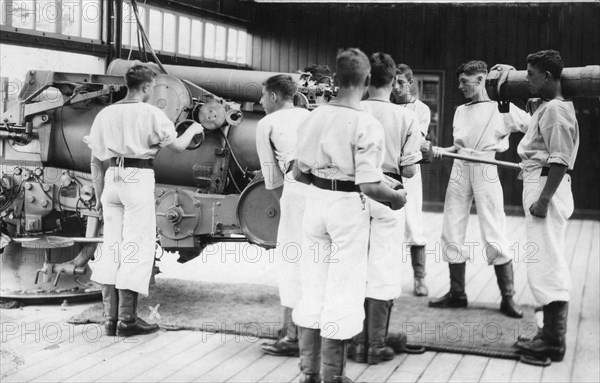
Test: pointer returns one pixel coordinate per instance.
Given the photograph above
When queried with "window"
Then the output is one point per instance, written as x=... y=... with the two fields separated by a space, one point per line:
x=182 y=34
x=232 y=41
x=155 y=32
x=220 y=43
x=169 y=32
x=185 y=35
x=197 y=38
x=209 y=40
x=73 y=18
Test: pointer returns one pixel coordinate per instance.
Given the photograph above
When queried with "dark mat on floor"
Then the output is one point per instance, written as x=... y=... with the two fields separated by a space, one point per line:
x=254 y=311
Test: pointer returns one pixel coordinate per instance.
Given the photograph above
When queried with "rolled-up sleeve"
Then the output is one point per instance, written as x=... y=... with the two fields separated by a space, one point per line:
x=516 y=120
x=559 y=134
x=164 y=130
x=411 y=152
x=424 y=119
x=368 y=157
x=268 y=163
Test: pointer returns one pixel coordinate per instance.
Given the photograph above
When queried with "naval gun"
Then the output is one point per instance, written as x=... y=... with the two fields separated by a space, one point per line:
x=213 y=192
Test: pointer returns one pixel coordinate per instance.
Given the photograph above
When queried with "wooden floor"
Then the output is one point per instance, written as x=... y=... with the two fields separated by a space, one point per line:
x=38 y=345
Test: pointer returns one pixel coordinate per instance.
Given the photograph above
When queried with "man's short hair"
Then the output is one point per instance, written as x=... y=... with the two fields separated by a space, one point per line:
x=548 y=60
x=138 y=75
x=404 y=69
x=472 y=67
x=282 y=84
x=352 y=67
x=383 y=69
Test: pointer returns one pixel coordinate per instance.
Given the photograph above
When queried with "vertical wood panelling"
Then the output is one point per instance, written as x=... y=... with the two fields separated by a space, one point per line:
x=288 y=37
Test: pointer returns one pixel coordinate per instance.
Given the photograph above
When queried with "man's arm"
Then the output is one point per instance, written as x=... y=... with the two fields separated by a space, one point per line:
x=381 y=192
x=299 y=176
x=555 y=176
x=98 y=171
x=183 y=141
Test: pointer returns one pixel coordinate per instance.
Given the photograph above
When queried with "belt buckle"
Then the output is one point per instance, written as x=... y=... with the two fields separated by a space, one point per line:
x=334 y=185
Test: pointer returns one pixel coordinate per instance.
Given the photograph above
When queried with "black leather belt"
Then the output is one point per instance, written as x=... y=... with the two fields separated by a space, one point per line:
x=546 y=171
x=335 y=185
x=142 y=163
x=395 y=176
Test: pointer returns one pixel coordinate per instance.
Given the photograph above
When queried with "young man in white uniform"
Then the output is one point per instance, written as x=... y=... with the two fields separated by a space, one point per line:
x=340 y=152
x=276 y=140
x=548 y=150
x=414 y=235
x=402 y=152
x=128 y=135
x=479 y=130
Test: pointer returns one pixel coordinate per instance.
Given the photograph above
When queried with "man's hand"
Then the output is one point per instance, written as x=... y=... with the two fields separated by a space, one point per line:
x=399 y=199
x=539 y=209
x=502 y=67
x=196 y=128
x=409 y=171
x=436 y=151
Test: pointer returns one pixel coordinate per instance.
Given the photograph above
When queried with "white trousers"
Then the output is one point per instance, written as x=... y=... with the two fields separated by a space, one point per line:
x=414 y=234
x=289 y=242
x=384 y=270
x=334 y=263
x=547 y=270
x=126 y=257
x=469 y=181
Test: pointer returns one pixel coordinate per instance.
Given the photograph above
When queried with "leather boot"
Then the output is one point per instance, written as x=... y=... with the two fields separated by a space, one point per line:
x=309 y=342
x=333 y=360
x=357 y=350
x=552 y=344
x=505 y=277
x=288 y=344
x=378 y=314
x=456 y=297
x=110 y=299
x=417 y=256
x=129 y=324
x=522 y=339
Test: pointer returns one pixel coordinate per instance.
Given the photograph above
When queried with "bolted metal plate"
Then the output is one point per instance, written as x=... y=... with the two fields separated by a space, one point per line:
x=171 y=96
x=258 y=214
x=19 y=265
x=177 y=214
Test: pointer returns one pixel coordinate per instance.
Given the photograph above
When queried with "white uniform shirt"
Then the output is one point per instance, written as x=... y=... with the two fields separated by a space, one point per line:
x=276 y=139
x=553 y=135
x=481 y=127
x=423 y=114
x=132 y=130
x=342 y=143
x=402 y=136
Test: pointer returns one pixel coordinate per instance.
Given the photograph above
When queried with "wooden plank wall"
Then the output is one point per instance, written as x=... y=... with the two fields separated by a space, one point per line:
x=288 y=37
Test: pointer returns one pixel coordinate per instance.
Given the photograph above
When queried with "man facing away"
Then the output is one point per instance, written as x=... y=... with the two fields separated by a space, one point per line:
x=128 y=135
x=340 y=153
x=276 y=146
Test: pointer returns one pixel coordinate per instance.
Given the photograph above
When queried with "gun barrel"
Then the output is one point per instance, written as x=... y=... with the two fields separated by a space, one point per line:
x=576 y=82
x=234 y=84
